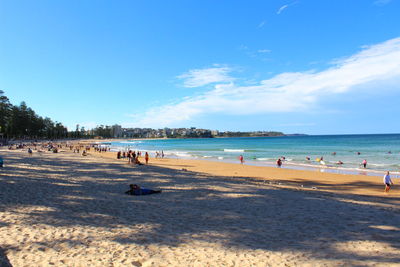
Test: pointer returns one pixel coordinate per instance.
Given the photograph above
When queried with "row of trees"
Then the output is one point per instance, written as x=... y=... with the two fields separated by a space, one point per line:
x=22 y=122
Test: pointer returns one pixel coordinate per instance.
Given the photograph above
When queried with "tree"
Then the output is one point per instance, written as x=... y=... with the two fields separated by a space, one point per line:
x=22 y=122
x=5 y=108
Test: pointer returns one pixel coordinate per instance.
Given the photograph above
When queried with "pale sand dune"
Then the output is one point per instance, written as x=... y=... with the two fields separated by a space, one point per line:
x=67 y=210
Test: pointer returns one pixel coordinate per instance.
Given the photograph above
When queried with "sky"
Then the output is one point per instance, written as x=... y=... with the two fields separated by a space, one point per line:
x=307 y=66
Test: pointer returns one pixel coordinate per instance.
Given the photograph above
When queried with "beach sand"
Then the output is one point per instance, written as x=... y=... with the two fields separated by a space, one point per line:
x=68 y=210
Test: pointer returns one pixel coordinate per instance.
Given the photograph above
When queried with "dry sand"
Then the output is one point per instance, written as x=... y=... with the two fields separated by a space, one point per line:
x=67 y=210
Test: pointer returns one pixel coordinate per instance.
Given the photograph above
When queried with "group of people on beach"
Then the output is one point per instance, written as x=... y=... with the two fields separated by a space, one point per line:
x=386 y=178
x=133 y=156
x=160 y=154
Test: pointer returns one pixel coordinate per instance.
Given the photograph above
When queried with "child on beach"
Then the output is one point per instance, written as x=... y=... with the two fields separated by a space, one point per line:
x=364 y=163
x=387 y=181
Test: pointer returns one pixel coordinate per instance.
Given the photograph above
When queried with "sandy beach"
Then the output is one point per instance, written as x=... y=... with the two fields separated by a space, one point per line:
x=68 y=210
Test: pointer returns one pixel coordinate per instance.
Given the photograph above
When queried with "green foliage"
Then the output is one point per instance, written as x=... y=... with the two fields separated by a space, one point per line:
x=22 y=122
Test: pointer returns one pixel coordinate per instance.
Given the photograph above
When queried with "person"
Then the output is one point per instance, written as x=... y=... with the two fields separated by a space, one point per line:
x=137 y=162
x=279 y=163
x=308 y=158
x=1 y=162
x=84 y=153
x=29 y=151
x=358 y=153
x=162 y=153
x=387 y=181
x=241 y=159
x=146 y=157
x=137 y=191
x=333 y=153
x=364 y=163
x=339 y=162
x=129 y=155
x=119 y=155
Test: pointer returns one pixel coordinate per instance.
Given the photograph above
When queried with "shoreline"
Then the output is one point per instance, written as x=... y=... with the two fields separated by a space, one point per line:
x=285 y=177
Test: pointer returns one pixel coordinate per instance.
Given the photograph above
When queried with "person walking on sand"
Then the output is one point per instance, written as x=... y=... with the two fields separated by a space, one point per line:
x=241 y=159
x=387 y=181
x=364 y=163
x=146 y=158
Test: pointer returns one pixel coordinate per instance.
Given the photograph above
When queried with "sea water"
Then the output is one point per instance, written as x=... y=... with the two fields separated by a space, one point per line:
x=382 y=151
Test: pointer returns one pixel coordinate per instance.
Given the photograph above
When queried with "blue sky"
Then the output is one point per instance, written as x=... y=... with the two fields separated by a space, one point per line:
x=315 y=67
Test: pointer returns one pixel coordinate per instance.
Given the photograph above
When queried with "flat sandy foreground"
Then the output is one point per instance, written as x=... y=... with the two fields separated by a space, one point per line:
x=68 y=210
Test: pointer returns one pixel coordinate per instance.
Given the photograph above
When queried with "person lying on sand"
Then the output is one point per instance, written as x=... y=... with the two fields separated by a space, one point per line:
x=137 y=162
x=137 y=191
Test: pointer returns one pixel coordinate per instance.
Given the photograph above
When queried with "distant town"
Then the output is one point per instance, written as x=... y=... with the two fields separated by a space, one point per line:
x=117 y=131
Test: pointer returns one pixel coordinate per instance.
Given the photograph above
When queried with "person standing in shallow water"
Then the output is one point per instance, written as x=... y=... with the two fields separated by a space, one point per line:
x=241 y=159
x=279 y=163
x=364 y=163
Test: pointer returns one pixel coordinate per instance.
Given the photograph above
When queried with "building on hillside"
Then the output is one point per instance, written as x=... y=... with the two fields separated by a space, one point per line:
x=116 y=131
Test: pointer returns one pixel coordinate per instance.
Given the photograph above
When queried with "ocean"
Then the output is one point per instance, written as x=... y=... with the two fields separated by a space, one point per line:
x=382 y=151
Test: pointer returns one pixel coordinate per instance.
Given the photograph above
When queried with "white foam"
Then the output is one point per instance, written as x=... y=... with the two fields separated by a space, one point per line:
x=182 y=154
x=233 y=150
x=131 y=142
x=263 y=159
x=220 y=157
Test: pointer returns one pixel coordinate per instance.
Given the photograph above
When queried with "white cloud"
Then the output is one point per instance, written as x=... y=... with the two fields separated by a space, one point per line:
x=262 y=24
x=382 y=2
x=286 y=92
x=281 y=9
x=264 y=51
x=201 y=77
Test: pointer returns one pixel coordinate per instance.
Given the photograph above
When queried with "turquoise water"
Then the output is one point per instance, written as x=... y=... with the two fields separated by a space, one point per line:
x=266 y=150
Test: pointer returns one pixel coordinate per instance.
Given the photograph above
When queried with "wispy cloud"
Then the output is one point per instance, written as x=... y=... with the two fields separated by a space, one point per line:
x=201 y=77
x=286 y=92
x=262 y=24
x=264 y=51
x=281 y=9
x=381 y=2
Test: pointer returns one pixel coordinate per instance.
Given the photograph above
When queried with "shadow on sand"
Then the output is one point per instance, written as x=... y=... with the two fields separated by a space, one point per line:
x=212 y=209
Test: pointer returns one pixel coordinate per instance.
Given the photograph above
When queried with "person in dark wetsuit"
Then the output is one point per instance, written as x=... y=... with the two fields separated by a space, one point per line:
x=279 y=163
x=137 y=191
